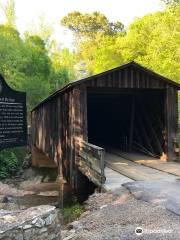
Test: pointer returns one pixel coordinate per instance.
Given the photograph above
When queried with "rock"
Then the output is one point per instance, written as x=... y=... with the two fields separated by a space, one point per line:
x=39 y=223
x=76 y=225
x=27 y=234
x=64 y=233
x=27 y=226
x=19 y=237
x=34 y=221
x=30 y=223
x=71 y=234
x=8 y=199
x=44 y=229
x=1 y=198
x=103 y=206
x=50 y=219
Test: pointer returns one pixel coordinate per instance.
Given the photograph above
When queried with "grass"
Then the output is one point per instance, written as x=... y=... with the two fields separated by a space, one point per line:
x=72 y=212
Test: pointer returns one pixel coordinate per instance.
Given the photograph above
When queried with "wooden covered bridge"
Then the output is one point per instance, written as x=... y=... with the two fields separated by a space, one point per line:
x=129 y=110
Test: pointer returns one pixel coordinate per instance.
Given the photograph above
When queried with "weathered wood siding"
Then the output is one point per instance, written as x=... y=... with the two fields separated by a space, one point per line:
x=127 y=78
x=45 y=124
x=171 y=120
x=56 y=122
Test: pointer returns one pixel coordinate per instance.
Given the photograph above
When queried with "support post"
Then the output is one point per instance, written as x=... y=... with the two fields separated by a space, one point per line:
x=171 y=120
x=131 y=133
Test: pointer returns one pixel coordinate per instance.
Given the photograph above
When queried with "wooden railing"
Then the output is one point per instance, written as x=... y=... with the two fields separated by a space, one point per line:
x=90 y=161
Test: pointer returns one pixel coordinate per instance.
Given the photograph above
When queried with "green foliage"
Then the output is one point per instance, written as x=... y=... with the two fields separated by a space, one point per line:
x=90 y=24
x=9 y=163
x=63 y=62
x=27 y=65
x=42 y=29
x=171 y=2
x=73 y=212
x=9 y=11
x=152 y=40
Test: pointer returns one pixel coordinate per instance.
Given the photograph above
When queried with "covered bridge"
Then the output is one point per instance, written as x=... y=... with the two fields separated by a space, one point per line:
x=129 y=108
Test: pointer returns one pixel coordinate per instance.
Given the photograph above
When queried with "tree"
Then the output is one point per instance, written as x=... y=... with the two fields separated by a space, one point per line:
x=11 y=56
x=25 y=64
x=154 y=42
x=171 y=2
x=63 y=62
x=42 y=29
x=91 y=31
x=37 y=69
x=87 y=25
x=9 y=11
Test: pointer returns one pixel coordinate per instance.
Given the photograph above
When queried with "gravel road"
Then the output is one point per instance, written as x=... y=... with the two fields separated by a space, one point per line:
x=115 y=216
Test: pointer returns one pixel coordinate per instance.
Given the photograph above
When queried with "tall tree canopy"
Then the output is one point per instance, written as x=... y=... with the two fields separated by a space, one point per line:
x=28 y=63
x=9 y=12
x=152 y=40
x=89 y=24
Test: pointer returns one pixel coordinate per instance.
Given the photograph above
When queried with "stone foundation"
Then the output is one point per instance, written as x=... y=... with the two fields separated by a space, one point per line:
x=36 y=223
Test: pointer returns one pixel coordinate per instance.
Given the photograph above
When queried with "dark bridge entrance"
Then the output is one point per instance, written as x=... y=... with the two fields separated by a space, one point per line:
x=128 y=120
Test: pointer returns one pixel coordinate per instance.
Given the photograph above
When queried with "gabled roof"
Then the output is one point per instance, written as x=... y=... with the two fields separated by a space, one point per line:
x=133 y=64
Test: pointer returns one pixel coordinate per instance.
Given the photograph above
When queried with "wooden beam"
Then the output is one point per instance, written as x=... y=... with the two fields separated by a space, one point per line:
x=151 y=129
x=171 y=120
x=143 y=130
x=131 y=133
x=40 y=159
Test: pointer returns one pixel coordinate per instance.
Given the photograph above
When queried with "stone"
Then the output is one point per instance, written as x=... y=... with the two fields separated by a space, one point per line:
x=39 y=223
x=75 y=225
x=51 y=236
x=103 y=206
x=42 y=230
x=27 y=226
x=30 y=224
x=19 y=237
x=64 y=233
x=71 y=235
x=27 y=234
x=50 y=219
x=34 y=221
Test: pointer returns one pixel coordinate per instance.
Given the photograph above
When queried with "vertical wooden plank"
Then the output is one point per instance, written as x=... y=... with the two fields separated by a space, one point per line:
x=116 y=79
x=147 y=81
x=132 y=80
x=70 y=138
x=131 y=133
x=110 y=80
x=120 y=80
x=125 y=78
x=143 y=79
x=171 y=120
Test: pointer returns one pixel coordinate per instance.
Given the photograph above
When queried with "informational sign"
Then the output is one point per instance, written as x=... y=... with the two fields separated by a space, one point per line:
x=13 y=125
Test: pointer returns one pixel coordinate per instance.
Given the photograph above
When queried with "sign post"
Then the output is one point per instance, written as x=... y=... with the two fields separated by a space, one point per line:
x=13 y=122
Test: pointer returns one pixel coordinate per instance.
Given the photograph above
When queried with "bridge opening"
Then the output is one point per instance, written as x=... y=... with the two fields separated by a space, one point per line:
x=127 y=120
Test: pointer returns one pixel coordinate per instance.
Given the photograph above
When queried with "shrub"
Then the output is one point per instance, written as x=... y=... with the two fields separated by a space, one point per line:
x=72 y=212
x=9 y=163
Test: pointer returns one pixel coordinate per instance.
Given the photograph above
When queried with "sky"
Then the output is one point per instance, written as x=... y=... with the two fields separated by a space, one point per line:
x=28 y=12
